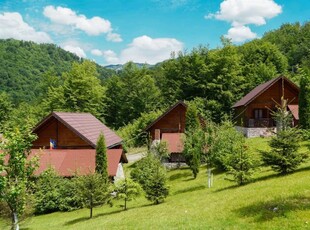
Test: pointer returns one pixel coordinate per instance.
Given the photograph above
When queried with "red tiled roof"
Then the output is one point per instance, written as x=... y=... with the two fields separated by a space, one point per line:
x=259 y=90
x=67 y=162
x=174 y=142
x=294 y=111
x=165 y=113
x=86 y=126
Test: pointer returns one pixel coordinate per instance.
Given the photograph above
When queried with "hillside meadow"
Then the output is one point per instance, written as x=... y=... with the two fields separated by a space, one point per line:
x=270 y=202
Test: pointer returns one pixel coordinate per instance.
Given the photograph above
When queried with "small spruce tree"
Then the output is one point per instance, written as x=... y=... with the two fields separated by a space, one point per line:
x=151 y=175
x=284 y=156
x=101 y=158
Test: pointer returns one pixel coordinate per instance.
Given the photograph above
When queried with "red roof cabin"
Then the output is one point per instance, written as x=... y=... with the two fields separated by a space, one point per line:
x=253 y=112
x=68 y=142
x=170 y=127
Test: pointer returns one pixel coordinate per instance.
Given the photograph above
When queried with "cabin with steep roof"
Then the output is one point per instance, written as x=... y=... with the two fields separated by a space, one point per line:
x=253 y=112
x=170 y=127
x=67 y=142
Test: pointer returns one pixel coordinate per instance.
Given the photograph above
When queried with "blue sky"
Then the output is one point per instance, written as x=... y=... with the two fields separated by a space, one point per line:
x=116 y=31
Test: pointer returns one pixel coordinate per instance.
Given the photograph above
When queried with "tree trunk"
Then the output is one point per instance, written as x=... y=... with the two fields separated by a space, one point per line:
x=209 y=178
x=125 y=206
x=91 y=208
x=15 y=225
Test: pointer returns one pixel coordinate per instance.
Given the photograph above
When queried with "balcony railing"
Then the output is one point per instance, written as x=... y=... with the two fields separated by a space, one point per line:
x=262 y=122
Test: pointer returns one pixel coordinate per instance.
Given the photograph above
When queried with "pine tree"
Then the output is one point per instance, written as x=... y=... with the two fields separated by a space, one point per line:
x=304 y=100
x=151 y=175
x=101 y=158
x=284 y=156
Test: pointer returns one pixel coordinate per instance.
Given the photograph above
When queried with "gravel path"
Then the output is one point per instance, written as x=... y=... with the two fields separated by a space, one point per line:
x=135 y=157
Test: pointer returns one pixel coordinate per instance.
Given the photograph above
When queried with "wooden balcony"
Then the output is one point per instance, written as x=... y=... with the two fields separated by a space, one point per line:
x=260 y=123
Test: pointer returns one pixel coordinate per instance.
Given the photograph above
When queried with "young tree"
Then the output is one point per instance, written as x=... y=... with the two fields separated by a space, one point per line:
x=150 y=174
x=304 y=100
x=157 y=189
x=92 y=191
x=127 y=189
x=193 y=150
x=241 y=164
x=194 y=141
x=101 y=158
x=15 y=183
x=284 y=156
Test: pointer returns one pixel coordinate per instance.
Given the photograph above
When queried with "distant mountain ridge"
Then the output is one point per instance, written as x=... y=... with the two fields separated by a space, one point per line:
x=118 y=67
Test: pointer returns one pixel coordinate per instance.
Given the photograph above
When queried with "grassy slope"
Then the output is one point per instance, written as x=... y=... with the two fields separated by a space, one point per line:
x=271 y=202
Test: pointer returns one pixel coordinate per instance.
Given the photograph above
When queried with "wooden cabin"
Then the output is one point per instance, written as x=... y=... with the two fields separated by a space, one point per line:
x=67 y=142
x=253 y=112
x=170 y=127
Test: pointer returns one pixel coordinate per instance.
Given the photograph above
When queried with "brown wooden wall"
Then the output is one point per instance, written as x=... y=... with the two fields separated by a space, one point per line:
x=265 y=100
x=65 y=138
x=172 y=122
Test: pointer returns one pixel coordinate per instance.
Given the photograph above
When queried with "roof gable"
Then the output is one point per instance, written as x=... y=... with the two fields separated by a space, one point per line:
x=257 y=91
x=86 y=126
x=165 y=113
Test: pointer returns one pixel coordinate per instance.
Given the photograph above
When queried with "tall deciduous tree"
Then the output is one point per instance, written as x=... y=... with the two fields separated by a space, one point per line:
x=80 y=92
x=6 y=107
x=101 y=158
x=130 y=94
x=304 y=100
x=15 y=181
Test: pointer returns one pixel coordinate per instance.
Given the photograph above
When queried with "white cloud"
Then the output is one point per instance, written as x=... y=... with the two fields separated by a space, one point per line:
x=13 y=26
x=96 y=52
x=150 y=50
x=92 y=26
x=240 y=33
x=245 y=12
x=76 y=50
x=110 y=57
x=114 y=37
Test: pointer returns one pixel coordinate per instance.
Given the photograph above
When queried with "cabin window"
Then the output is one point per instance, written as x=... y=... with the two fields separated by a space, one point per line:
x=260 y=113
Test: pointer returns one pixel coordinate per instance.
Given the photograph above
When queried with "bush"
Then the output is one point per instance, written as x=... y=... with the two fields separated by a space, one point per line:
x=54 y=193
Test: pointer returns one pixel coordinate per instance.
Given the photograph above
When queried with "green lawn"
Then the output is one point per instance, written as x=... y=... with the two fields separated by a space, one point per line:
x=270 y=202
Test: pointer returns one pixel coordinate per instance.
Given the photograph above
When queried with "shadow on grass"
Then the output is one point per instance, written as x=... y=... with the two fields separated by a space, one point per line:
x=179 y=175
x=191 y=189
x=82 y=219
x=280 y=207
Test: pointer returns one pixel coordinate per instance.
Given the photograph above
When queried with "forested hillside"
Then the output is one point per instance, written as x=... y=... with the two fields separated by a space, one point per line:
x=24 y=65
x=43 y=76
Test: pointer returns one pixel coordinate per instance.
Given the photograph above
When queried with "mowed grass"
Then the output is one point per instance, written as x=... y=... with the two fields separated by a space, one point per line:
x=270 y=202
